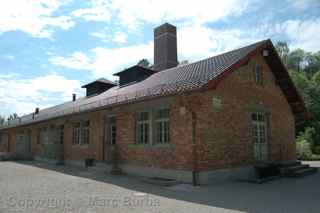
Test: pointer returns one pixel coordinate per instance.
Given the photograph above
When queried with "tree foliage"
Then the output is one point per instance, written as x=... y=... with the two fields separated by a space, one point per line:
x=304 y=69
x=11 y=117
x=144 y=63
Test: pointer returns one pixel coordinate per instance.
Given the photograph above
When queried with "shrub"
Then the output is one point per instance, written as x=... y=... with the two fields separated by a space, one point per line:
x=316 y=150
x=303 y=150
x=305 y=143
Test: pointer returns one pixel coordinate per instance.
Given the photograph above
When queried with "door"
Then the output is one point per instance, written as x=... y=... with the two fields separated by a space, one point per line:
x=259 y=134
x=23 y=143
x=110 y=138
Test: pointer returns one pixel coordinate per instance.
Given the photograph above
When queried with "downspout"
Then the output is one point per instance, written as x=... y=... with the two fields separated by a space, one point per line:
x=8 y=147
x=194 y=149
x=103 y=139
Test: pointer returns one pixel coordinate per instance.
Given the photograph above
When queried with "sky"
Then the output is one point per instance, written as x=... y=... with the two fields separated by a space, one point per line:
x=50 y=48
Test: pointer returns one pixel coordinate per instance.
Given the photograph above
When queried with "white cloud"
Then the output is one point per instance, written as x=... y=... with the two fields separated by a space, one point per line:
x=101 y=35
x=22 y=95
x=77 y=61
x=194 y=42
x=198 y=42
x=105 y=61
x=34 y=17
x=304 y=4
x=304 y=34
x=117 y=37
x=120 y=37
x=132 y=13
x=99 y=11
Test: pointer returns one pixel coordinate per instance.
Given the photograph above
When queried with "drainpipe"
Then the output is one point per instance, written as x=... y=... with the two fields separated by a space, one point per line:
x=195 y=171
x=194 y=149
x=103 y=139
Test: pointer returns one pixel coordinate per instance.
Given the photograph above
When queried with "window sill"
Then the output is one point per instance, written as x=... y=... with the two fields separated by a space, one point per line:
x=80 y=146
x=151 y=146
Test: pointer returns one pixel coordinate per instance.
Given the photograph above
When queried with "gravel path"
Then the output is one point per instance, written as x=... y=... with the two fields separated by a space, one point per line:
x=36 y=187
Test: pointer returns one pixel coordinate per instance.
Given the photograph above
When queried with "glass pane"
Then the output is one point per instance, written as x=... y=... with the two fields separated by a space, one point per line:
x=143 y=116
x=254 y=117
x=163 y=113
x=112 y=120
x=146 y=133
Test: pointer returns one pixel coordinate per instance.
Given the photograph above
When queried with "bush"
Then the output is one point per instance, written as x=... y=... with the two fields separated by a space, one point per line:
x=305 y=143
x=316 y=150
x=303 y=150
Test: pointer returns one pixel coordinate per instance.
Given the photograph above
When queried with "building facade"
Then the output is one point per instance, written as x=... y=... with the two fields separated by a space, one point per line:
x=246 y=112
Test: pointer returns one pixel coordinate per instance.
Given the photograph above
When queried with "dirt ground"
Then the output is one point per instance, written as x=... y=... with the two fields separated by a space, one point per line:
x=38 y=187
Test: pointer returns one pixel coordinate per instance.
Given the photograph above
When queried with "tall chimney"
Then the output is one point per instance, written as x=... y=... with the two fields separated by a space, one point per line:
x=74 y=97
x=165 y=47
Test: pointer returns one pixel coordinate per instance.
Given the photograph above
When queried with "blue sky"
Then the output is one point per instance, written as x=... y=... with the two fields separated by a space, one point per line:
x=49 y=48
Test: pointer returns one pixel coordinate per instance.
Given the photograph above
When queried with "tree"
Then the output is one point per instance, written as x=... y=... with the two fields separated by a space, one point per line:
x=296 y=60
x=144 y=63
x=2 y=120
x=312 y=63
x=283 y=51
x=184 y=62
x=13 y=116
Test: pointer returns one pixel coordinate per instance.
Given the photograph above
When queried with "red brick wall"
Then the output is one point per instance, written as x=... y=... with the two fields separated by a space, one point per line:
x=224 y=136
x=4 y=143
x=94 y=148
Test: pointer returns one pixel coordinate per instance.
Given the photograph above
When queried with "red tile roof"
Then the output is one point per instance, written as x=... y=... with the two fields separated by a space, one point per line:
x=204 y=73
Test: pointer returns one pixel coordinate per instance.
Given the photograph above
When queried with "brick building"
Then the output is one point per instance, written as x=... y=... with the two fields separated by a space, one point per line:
x=212 y=118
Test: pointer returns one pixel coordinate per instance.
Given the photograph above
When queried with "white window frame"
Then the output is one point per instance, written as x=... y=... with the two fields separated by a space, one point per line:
x=259 y=128
x=260 y=135
x=258 y=70
x=112 y=129
x=81 y=133
x=85 y=132
x=76 y=131
x=162 y=132
x=143 y=134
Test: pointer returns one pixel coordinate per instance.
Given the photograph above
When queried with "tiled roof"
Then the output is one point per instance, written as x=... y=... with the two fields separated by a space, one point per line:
x=178 y=79
x=101 y=80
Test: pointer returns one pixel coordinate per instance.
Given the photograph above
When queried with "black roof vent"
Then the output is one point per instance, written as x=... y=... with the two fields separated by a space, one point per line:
x=98 y=86
x=133 y=74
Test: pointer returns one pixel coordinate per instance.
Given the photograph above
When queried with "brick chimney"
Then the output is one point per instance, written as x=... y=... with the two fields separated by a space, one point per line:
x=165 y=47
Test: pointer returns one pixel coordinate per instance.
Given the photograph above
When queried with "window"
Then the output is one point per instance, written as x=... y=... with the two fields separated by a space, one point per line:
x=259 y=127
x=85 y=132
x=81 y=133
x=61 y=134
x=112 y=130
x=38 y=135
x=143 y=128
x=162 y=126
x=258 y=74
x=259 y=136
x=76 y=134
x=43 y=135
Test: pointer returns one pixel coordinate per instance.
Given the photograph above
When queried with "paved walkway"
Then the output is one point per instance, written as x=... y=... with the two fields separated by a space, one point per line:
x=34 y=187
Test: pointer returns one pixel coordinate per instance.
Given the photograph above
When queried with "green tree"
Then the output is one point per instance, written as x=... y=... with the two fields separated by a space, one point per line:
x=312 y=61
x=144 y=63
x=13 y=116
x=296 y=59
x=283 y=51
x=2 y=120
